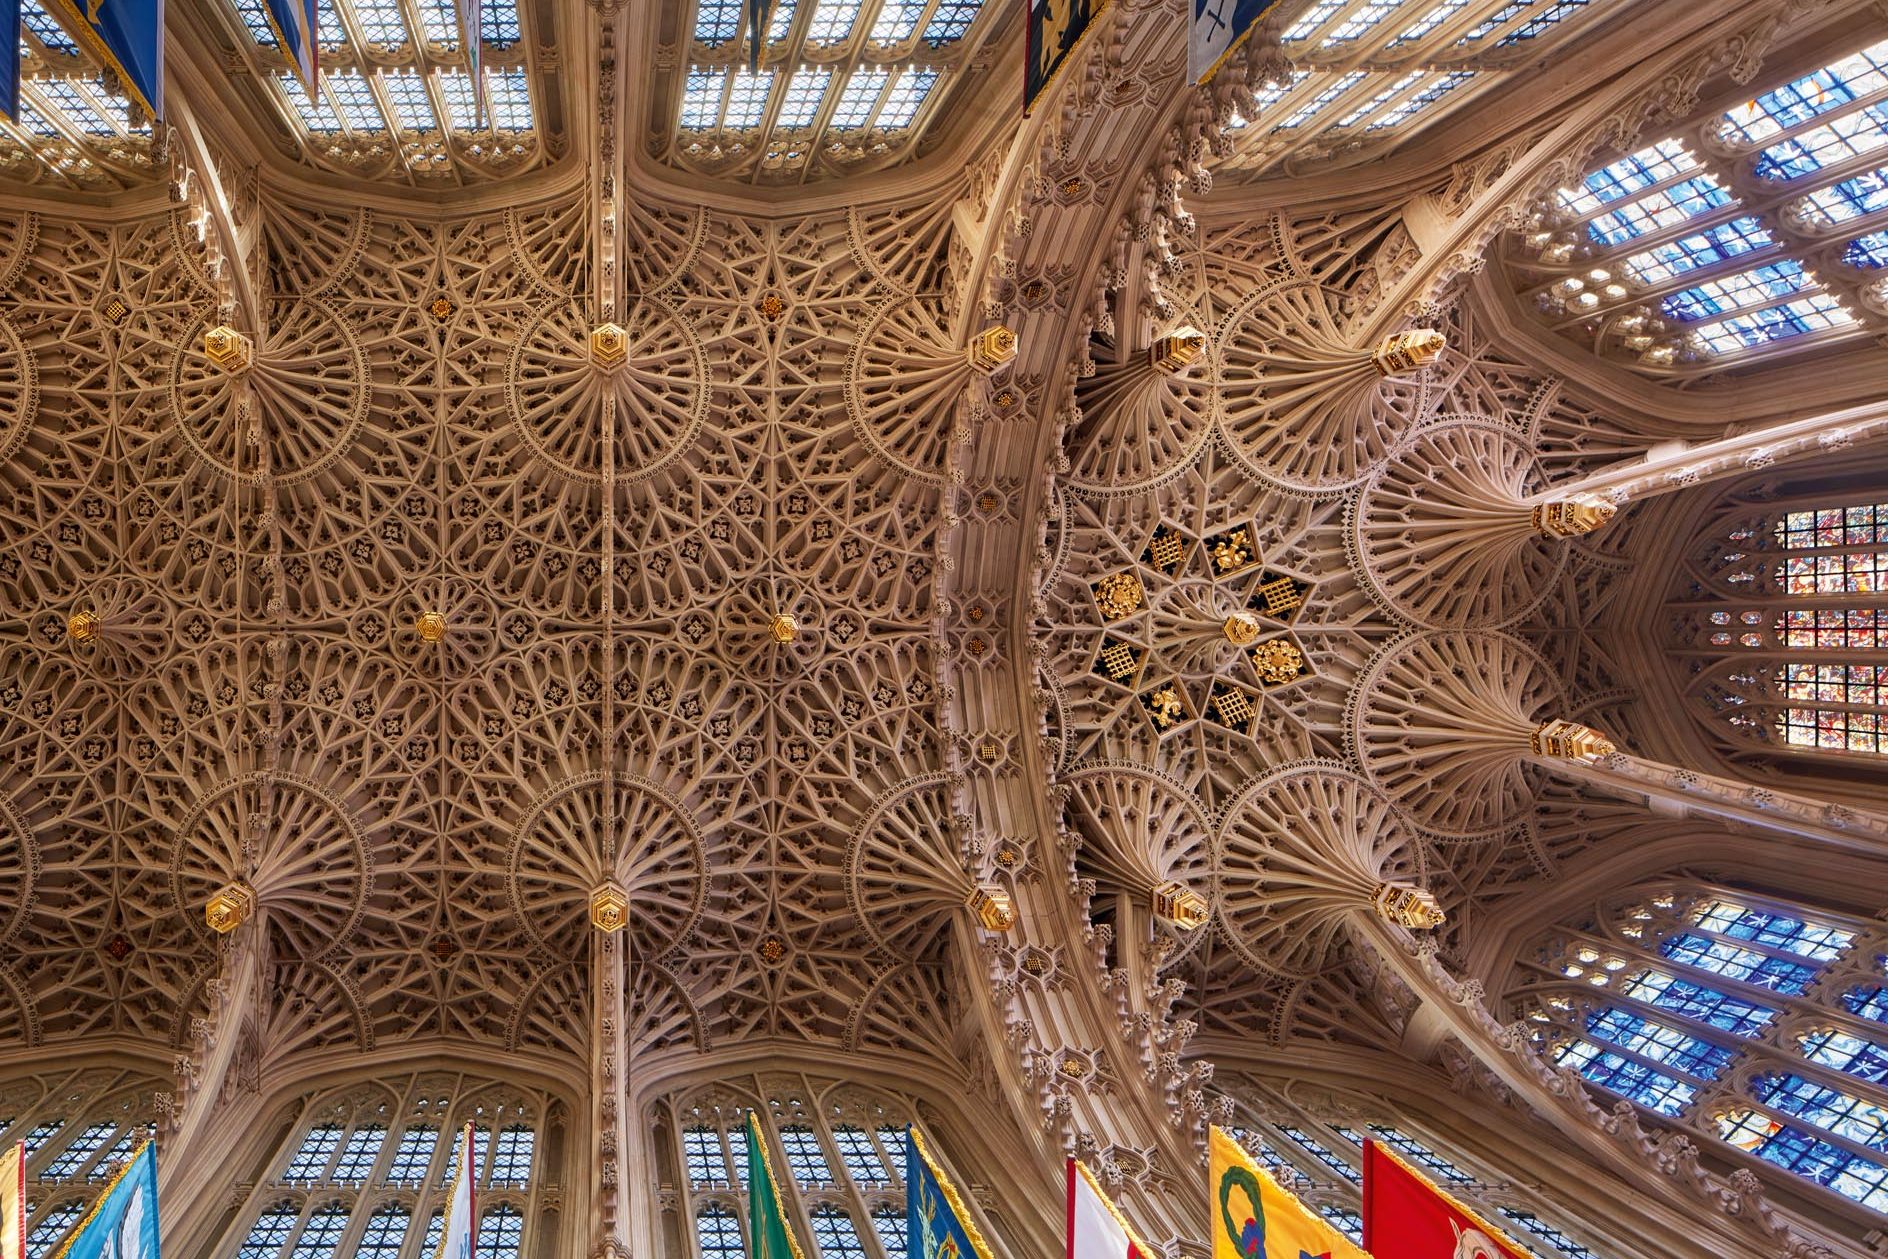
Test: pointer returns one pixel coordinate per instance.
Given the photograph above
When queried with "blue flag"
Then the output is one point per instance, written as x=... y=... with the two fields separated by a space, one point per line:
x=10 y=58
x=127 y=36
x=124 y=1223
x=297 y=28
x=1051 y=29
x=936 y=1224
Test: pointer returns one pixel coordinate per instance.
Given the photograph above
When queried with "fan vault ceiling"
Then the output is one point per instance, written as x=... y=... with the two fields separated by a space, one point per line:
x=812 y=613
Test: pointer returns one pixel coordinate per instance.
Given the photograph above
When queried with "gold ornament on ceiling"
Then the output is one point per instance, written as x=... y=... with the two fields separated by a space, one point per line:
x=1573 y=516
x=228 y=348
x=1180 y=906
x=609 y=906
x=1277 y=661
x=1242 y=629
x=83 y=626
x=1403 y=352
x=783 y=628
x=1119 y=595
x=992 y=348
x=441 y=308
x=1569 y=740
x=230 y=907
x=1407 y=906
x=993 y=908
x=1175 y=351
x=609 y=345
x=431 y=627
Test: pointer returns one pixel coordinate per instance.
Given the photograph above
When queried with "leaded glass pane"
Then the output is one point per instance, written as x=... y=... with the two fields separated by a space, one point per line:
x=896 y=21
x=889 y=1223
x=718 y=1233
x=1716 y=1009
x=1759 y=286
x=1421 y=99
x=1796 y=102
x=359 y=1155
x=311 y=1159
x=410 y=102
x=386 y=1229
x=1546 y=1232
x=1659 y=1042
x=717 y=22
x=1815 y=313
x=501 y=1233
x=51 y=1229
x=805 y=1158
x=701 y=1152
x=950 y=21
x=315 y=114
x=1627 y=1077
x=45 y=27
x=269 y=1233
x=906 y=97
x=747 y=99
x=122 y=1149
x=1837 y=140
x=511 y=1157
x=1345 y=1220
x=1808 y=1156
x=832 y=22
x=321 y=1236
x=1706 y=247
x=806 y=90
x=413 y=1155
x=1316 y=105
x=857 y=98
x=892 y=1141
x=1748 y=965
x=1433 y=18
x=1863 y=1059
x=81 y=1147
x=835 y=1234
x=1851 y=199
x=1869 y=252
x=737 y=1150
x=1665 y=208
x=1542 y=22
x=1421 y=1155
x=701 y=99
x=858 y=1156
x=1319 y=1151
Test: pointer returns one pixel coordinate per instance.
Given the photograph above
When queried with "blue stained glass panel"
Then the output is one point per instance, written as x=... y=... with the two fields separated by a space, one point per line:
x=1829 y=1109
x=1802 y=99
x=1813 y=313
x=1813 y=1159
x=1869 y=252
x=1668 y=207
x=1631 y=1079
x=1703 y=248
x=1755 y=287
x=1850 y=199
x=1869 y=1002
x=1780 y=931
x=1837 y=140
x=1863 y=1059
x=1706 y=1005
x=1718 y=957
x=1659 y=1042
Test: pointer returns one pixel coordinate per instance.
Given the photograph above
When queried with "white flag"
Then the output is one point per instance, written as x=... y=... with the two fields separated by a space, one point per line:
x=1096 y=1229
x=455 y=1240
x=13 y=1203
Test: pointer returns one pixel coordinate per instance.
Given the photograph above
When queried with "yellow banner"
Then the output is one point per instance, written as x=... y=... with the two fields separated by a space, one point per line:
x=1254 y=1218
x=12 y=1203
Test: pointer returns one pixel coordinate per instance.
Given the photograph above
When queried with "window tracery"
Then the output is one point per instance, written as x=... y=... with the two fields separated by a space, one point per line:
x=1781 y=616
x=1749 y=231
x=1375 y=70
x=838 y=1154
x=365 y=1162
x=76 y=1128
x=1742 y=1018
x=395 y=97
x=843 y=85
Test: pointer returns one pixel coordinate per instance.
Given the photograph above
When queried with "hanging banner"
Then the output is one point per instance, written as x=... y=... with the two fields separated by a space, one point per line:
x=1097 y=1229
x=10 y=59
x=1254 y=1217
x=1406 y=1216
x=1219 y=27
x=472 y=32
x=297 y=34
x=127 y=37
x=1052 y=29
x=936 y=1224
x=770 y=1234
x=13 y=1203
x=123 y=1223
x=455 y=1239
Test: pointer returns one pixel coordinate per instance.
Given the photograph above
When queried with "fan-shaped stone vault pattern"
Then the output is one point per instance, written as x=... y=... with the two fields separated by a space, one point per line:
x=422 y=428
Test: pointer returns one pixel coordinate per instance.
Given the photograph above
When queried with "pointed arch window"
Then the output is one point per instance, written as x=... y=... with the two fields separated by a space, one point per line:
x=1656 y=997
x=718 y=1232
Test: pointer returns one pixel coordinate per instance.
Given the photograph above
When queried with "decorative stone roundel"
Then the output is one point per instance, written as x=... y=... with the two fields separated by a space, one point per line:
x=1298 y=853
x=306 y=860
x=19 y=389
x=1441 y=721
x=903 y=870
x=568 y=410
x=1438 y=539
x=903 y=383
x=563 y=849
x=309 y=385
x=1302 y=407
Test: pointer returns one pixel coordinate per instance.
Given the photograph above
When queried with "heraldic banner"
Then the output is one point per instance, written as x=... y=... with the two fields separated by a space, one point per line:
x=13 y=1203
x=1254 y=1217
x=1097 y=1229
x=936 y=1224
x=1406 y=1216
x=123 y=1225
x=1051 y=29
x=769 y=1236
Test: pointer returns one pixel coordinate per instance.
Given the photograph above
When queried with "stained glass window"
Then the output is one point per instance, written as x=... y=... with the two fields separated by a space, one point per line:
x=1817 y=1106
x=1800 y=100
x=78 y=1150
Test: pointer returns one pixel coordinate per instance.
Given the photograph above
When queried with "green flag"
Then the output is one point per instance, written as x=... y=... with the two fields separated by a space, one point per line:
x=769 y=1235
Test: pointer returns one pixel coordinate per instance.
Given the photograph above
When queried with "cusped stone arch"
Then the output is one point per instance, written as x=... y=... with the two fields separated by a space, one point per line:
x=605 y=824
x=296 y=844
x=905 y=873
x=1442 y=723
x=586 y=423
x=1137 y=424
x=314 y=1005
x=1301 y=406
x=1296 y=855
x=307 y=390
x=1439 y=536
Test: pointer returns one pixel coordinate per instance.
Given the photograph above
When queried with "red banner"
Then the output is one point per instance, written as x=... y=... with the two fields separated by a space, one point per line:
x=1407 y=1217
